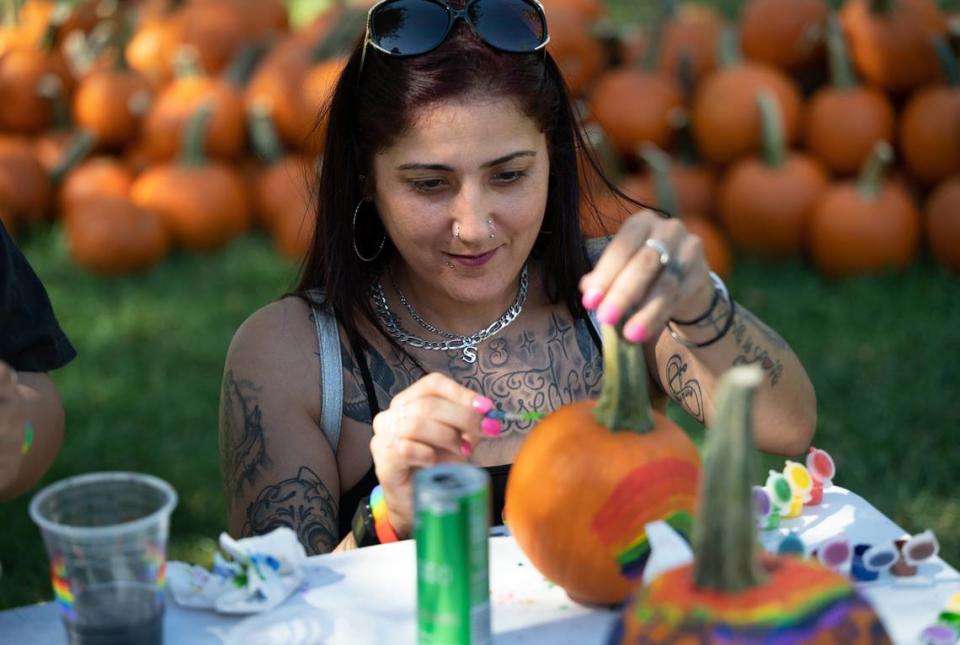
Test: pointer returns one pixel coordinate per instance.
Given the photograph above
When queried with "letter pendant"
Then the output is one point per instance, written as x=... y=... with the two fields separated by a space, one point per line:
x=470 y=354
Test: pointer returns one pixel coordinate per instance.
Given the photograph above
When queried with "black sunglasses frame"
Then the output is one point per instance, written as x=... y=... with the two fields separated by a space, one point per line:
x=452 y=16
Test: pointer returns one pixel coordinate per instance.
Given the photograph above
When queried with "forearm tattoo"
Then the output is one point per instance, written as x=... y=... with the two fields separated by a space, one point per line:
x=685 y=391
x=302 y=503
x=746 y=327
x=243 y=446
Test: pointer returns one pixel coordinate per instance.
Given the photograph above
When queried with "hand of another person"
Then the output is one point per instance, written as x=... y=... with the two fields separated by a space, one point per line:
x=652 y=270
x=435 y=420
x=12 y=422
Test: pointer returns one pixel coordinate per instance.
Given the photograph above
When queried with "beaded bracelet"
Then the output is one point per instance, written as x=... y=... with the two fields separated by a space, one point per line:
x=721 y=289
x=381 y=523
x=27 y=438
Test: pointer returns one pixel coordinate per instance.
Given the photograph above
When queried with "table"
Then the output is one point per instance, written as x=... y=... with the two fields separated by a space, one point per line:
x=369 y=595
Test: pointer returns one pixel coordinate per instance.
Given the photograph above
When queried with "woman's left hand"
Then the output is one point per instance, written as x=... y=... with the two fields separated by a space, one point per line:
x=651 y=271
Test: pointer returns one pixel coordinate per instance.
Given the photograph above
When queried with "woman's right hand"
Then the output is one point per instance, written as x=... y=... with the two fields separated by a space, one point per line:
x=435 y=420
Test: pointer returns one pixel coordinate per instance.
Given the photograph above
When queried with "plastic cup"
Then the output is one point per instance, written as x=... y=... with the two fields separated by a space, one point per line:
x=106 y=540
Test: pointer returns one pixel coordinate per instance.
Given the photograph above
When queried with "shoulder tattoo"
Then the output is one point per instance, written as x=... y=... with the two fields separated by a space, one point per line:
x=243 y=446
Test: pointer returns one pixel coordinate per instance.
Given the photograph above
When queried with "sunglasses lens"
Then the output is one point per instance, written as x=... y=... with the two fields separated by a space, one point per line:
x=509 y=25
x=408 y=27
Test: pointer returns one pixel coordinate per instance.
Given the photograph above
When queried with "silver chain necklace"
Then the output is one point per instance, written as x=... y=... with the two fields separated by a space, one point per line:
x=468 y=344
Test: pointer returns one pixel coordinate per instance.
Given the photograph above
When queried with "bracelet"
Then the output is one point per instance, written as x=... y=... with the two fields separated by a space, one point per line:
x=381 y=523
x=27 y=438
x=728 y=323
x=718 y=288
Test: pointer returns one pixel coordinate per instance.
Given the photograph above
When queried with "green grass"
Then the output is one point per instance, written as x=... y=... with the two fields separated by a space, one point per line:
x=142 y=395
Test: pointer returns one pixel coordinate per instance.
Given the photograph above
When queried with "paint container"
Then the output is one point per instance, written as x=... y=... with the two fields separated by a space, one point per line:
x=451 y=524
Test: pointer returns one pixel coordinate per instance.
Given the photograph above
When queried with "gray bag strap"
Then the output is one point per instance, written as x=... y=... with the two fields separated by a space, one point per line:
x=331 y=369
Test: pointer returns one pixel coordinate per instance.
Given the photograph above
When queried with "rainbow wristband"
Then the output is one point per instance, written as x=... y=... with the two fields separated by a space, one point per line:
x=381 y=523
x=27 y=438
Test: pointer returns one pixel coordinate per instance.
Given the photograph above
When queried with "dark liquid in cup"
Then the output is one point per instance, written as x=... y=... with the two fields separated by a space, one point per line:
x=117 y=615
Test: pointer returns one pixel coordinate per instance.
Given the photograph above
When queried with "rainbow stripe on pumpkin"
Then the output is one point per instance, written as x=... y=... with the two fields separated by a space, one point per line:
x=62 y=593
x=653 y=491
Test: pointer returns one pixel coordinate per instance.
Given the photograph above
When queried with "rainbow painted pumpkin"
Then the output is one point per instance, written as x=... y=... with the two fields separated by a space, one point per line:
x=730 y=593
x=590 y=477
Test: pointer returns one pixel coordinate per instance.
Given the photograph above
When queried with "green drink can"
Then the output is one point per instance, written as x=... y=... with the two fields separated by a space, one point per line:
x=451 y=525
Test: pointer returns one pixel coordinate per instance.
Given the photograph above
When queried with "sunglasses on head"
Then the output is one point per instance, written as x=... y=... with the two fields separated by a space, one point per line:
x=413 y=27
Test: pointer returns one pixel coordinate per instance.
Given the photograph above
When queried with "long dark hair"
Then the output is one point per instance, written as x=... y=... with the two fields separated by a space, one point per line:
x=370 y=108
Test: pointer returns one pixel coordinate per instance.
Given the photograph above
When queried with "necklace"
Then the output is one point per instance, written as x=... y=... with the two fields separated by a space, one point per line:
x=468 y=344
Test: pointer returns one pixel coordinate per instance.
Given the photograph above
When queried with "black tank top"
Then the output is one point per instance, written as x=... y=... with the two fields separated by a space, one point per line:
x=351 y=499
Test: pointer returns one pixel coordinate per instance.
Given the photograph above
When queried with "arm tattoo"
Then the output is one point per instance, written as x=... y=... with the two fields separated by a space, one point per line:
x=302 y=503
x=685 y=391
x=243 y=446
x=751 y=349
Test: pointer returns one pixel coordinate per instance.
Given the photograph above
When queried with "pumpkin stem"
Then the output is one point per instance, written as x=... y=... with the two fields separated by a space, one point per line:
x=686 y=74
x=263 y=134
x=725 y=541
x=186 y=63
x=770 y=123
x=122 y=33
x=59 y=15
x=624 y=404
x=871 y=174
x=841 y=71
x=947 y=62
x=881 y=6
x=192 y=153
x=729 y=47
x=244 y=62
x=651 y=56
x=659 y=164
x=340 y=38
x=606 y=155
x=79 y=147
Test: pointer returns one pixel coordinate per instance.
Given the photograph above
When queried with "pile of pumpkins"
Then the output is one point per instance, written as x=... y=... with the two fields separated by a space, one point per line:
x=98 y=95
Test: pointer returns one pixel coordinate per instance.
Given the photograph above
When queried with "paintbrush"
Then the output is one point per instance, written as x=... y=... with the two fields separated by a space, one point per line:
x=502 y=416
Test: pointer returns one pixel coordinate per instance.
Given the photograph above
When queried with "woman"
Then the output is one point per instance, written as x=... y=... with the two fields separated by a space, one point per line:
x=448 y=245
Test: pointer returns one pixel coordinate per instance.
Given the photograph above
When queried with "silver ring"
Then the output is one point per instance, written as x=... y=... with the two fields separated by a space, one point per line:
x=660 y=248
x=675 y=269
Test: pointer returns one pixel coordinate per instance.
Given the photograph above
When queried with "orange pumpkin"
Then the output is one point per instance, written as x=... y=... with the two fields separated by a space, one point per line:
x=930 y=126
x=634 y=105
x=692 y=32
x=725 y=116
x=867 y=225
x=203 y=202
x=29 y=78
x=317 y=88
x=890 y=40
x=111 y=103
x=694 y=185
x=25 y=189
x=640 y=467
x=96 y=177
x=610 y=209
x=153 y=46
x=783 y=33
x=578 y=54
x=844 y=120
x=112 y=236
x=215 y=29
x=942 y=222
x=264 y=18
x=765 y=202
x=588 y=10
x=731 y=593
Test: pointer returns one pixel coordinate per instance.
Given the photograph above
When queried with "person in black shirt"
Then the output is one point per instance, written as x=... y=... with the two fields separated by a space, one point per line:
x=31 y=344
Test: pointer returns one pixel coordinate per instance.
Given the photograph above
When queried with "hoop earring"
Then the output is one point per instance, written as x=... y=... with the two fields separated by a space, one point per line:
x=355 y=247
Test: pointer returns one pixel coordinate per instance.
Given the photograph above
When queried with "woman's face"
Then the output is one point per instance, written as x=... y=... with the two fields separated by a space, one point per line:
x=472 y=168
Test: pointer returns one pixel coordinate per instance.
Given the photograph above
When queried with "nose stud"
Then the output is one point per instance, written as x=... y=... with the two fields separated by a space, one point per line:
x=493 y=233
x=456 y=231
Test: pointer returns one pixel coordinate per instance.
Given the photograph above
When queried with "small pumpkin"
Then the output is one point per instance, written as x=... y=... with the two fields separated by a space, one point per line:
x=731 y=593
x=866 y=225
x=787 y=34
x=216 y=30
x=725 y=116
x=113 y=236
x=264 y=18
x=765 y=203
x=578 y=54
x=942 y=222
x=97 y=177
x=202 y=201
x=30 y=76
x=930 y=125
x=845 y=119
x=111 y=104
x=25 y=188
x=317 y=88
x=580 y=515
x=690 y=37
x=588 y=10
x=153 y=47
x=890 y=40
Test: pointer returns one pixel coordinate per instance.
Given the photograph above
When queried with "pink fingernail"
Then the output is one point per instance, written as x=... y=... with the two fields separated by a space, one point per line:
x=635 y=332
x=608 y=314
x=482 y=404
x=465 y=448
x=592 y=298
x=491 y=427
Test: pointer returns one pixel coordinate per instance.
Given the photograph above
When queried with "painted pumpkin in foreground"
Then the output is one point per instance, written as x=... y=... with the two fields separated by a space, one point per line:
x=730 y=593
x=592 y=475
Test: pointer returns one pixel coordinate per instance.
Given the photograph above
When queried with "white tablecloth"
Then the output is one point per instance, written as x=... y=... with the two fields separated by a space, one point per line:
x=369 y=595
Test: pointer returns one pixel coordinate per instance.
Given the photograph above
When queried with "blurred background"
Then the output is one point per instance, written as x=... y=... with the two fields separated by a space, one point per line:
x=157 y=232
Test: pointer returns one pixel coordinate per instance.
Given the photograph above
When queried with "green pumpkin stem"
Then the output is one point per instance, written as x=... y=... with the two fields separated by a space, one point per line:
x=882 y=7
x=624 y=404
x=81 y=144
x=870 y=180
x=842 y=75
x=244 y=62
x=263 y=134
x=772 y=129
x=340 y=38
x=947 y=62
x=729 y=47
x=11 y=13
x=186 y=63
x=725 y=540
x=192 y=153
x=659 y=164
